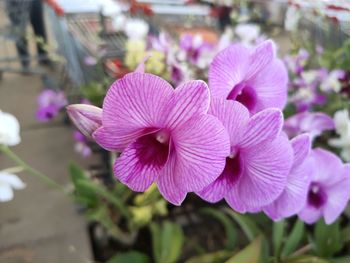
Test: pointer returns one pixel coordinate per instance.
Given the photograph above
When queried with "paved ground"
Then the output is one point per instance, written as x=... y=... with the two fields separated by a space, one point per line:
x=40 y=225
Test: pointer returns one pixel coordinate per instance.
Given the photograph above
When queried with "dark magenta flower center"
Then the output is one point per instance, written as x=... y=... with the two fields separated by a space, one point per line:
x=244 y=94
x=317 y=197
x=153 y=149
x=233 y=168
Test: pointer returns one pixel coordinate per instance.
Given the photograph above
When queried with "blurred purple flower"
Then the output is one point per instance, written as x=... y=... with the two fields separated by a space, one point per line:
x=328 y=193
x=161 y=43
x=50 y=102
x=293 y=197
x=296 y=63
x=165 y=136
x=306 y=89
x=254 y=77
x=256 y=169
x=81 y=146
x=192 y=48
x=90 y=61
x=313 y=123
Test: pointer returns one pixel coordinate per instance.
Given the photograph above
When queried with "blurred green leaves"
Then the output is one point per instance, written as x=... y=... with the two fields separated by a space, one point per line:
x=294 y=239
x=167 y=241
x=132 y=257
x=327 y=239
x=250 y=254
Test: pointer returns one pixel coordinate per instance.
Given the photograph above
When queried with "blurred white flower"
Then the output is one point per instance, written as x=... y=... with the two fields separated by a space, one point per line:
x=9 y=129
x=292 y=18
x=136 y=29
x=9 y=182
x=247 y=33
x=342 y=122
x=118 y=22
x=332 y=82
x=342 y=128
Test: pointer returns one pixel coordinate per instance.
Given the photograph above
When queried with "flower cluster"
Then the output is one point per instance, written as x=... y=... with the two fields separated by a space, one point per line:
x=310 y=88
x=222 y=141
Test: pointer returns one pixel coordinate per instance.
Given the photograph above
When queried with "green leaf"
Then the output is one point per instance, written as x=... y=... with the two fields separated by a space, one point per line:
x=102 y=215
x=108 y=195
x=294 y=239
x=76 y=173
x=83 y=194
x=131 y=256
x=249 y=228
x=306 y=259
x=327 y=238
x=249 y=254
x=345 y=235
x=345 y=259
x=214 y=257
x=167 y=242
x=277 y=236
x=230 y=230
x=156 y=241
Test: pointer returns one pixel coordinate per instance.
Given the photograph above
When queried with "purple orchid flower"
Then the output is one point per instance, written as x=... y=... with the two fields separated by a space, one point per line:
x=314 y=123
x=165 y=135
x=254 y=77
x=293 y=197
x=328 y=193
x=256 y=169
x=49 y=104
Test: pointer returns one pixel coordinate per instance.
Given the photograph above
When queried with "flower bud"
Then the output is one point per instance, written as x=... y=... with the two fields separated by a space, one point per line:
x=86 y=118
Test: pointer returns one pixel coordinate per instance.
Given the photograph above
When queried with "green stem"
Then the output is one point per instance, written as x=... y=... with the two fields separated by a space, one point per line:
x=7 y=151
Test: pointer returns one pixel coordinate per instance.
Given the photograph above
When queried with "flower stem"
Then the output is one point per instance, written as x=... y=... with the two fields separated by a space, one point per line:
x=51 y=183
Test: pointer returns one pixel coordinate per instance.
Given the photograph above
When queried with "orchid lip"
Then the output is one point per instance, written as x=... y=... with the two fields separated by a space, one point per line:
x=316 y=196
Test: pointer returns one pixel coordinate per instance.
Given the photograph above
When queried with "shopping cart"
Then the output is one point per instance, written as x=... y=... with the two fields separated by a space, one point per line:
x=14 y=47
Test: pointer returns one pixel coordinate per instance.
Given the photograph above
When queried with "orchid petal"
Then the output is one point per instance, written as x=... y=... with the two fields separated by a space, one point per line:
x=133 y=103
x=190 y=99
x=232 y=114
x=338 y=197
x=301 y=148
x=271 y=85
x=327 y=163
x=228 y=69
x=167 y=185
x=264 y=176
x=116 y=139
x=262 y=56
x=200 y=155
x=141 y=163
x=294 y=196
x=265 y=125
x=309 y=214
